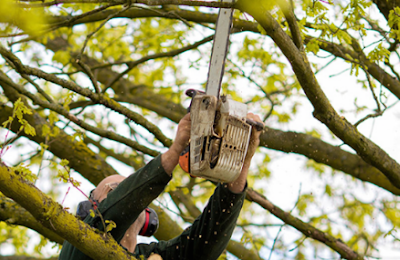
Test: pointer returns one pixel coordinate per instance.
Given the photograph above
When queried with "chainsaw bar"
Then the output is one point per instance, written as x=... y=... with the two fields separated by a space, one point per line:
x=219 y=50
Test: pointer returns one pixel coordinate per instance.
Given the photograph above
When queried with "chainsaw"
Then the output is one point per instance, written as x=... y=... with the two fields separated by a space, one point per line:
x=220 y=132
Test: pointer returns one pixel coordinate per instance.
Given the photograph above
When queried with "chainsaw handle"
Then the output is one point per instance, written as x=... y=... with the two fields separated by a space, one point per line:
x=192 y=93
x=258 y=125
x=184 y=159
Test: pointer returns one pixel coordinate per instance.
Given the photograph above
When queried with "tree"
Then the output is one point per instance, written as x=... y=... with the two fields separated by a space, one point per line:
x=89 y=85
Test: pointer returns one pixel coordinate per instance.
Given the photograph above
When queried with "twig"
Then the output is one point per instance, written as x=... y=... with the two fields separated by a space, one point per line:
x=378 y=110
x=267 y=95
x=61 y=24
x=96 y=98
x=371 y=87
x=59 y=109
x=77 y=17
x=308 y=230
x=8 y=142
x=326 y=65
x=97 y=29
x=38 y=88
x=90 y=74
x=133 y=64
x=280 y=229
x=76 y=184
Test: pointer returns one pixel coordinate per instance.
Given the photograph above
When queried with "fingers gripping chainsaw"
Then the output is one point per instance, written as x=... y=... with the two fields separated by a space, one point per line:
x=220 y=133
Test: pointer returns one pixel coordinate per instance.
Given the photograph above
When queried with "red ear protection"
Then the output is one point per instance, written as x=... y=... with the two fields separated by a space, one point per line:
x=150 y=225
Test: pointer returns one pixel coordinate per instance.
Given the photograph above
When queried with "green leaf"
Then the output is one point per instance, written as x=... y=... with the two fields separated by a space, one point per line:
x=64 y=162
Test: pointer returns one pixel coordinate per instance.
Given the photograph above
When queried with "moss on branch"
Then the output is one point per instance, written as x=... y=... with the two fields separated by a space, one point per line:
x=53 y=216
x=81 y=158
x=13 y=214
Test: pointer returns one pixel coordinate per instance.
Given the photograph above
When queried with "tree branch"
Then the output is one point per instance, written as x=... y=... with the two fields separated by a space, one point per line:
x=135 y=13
x=145 y=2
x=13 y=214
x=126 y=91
x=321 y=152
x=64 y=112
x=133 y=64
x=233 y=247
x=309 y=231
x=51 y=215
x=323 y=111
x=374 y=70
x=96 y=98
x=94 y=168
x=287 y=10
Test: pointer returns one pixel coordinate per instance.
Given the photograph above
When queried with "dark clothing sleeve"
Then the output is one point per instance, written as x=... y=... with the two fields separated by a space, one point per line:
x=209 y=234
x=205 y=239
x=124 y=204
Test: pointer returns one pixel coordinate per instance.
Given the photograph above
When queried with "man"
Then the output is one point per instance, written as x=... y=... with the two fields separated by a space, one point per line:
x=124 y=200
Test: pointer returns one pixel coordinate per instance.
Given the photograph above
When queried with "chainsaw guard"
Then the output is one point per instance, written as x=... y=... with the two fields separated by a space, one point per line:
x=219 y=138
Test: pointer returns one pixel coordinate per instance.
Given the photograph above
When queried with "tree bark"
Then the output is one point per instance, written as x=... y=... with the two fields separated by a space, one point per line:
x=13 y=214
x=323 y=110
x=55 y=218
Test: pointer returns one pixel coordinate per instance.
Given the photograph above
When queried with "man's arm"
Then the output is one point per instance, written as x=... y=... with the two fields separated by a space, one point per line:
x=211 y=231
x=239 y=184
x=170 y=158
x=128 y=200
x=124 y=204
x=209 y=234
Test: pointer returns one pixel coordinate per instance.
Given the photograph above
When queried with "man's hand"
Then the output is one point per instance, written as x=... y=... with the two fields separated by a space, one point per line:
x=182 y=134
x=171 y=157
x=238 y=185
x=254 y=138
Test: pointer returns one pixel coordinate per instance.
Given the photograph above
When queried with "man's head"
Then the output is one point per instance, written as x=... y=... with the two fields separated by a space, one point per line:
x=146 y=223
x=107 y=185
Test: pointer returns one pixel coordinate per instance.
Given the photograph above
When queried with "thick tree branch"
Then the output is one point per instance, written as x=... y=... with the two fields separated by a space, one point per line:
x=321 y=152
x=213 y=4
x=391 y=83
x=96 y=98
x=80 y=157
x=4 y=80
x=13 y=214
x=52 y=215
x=323 y=111
x=124 y=90
x=21 y=257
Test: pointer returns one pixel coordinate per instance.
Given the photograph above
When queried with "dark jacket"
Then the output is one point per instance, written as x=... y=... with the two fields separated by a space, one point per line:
x=205 y=239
